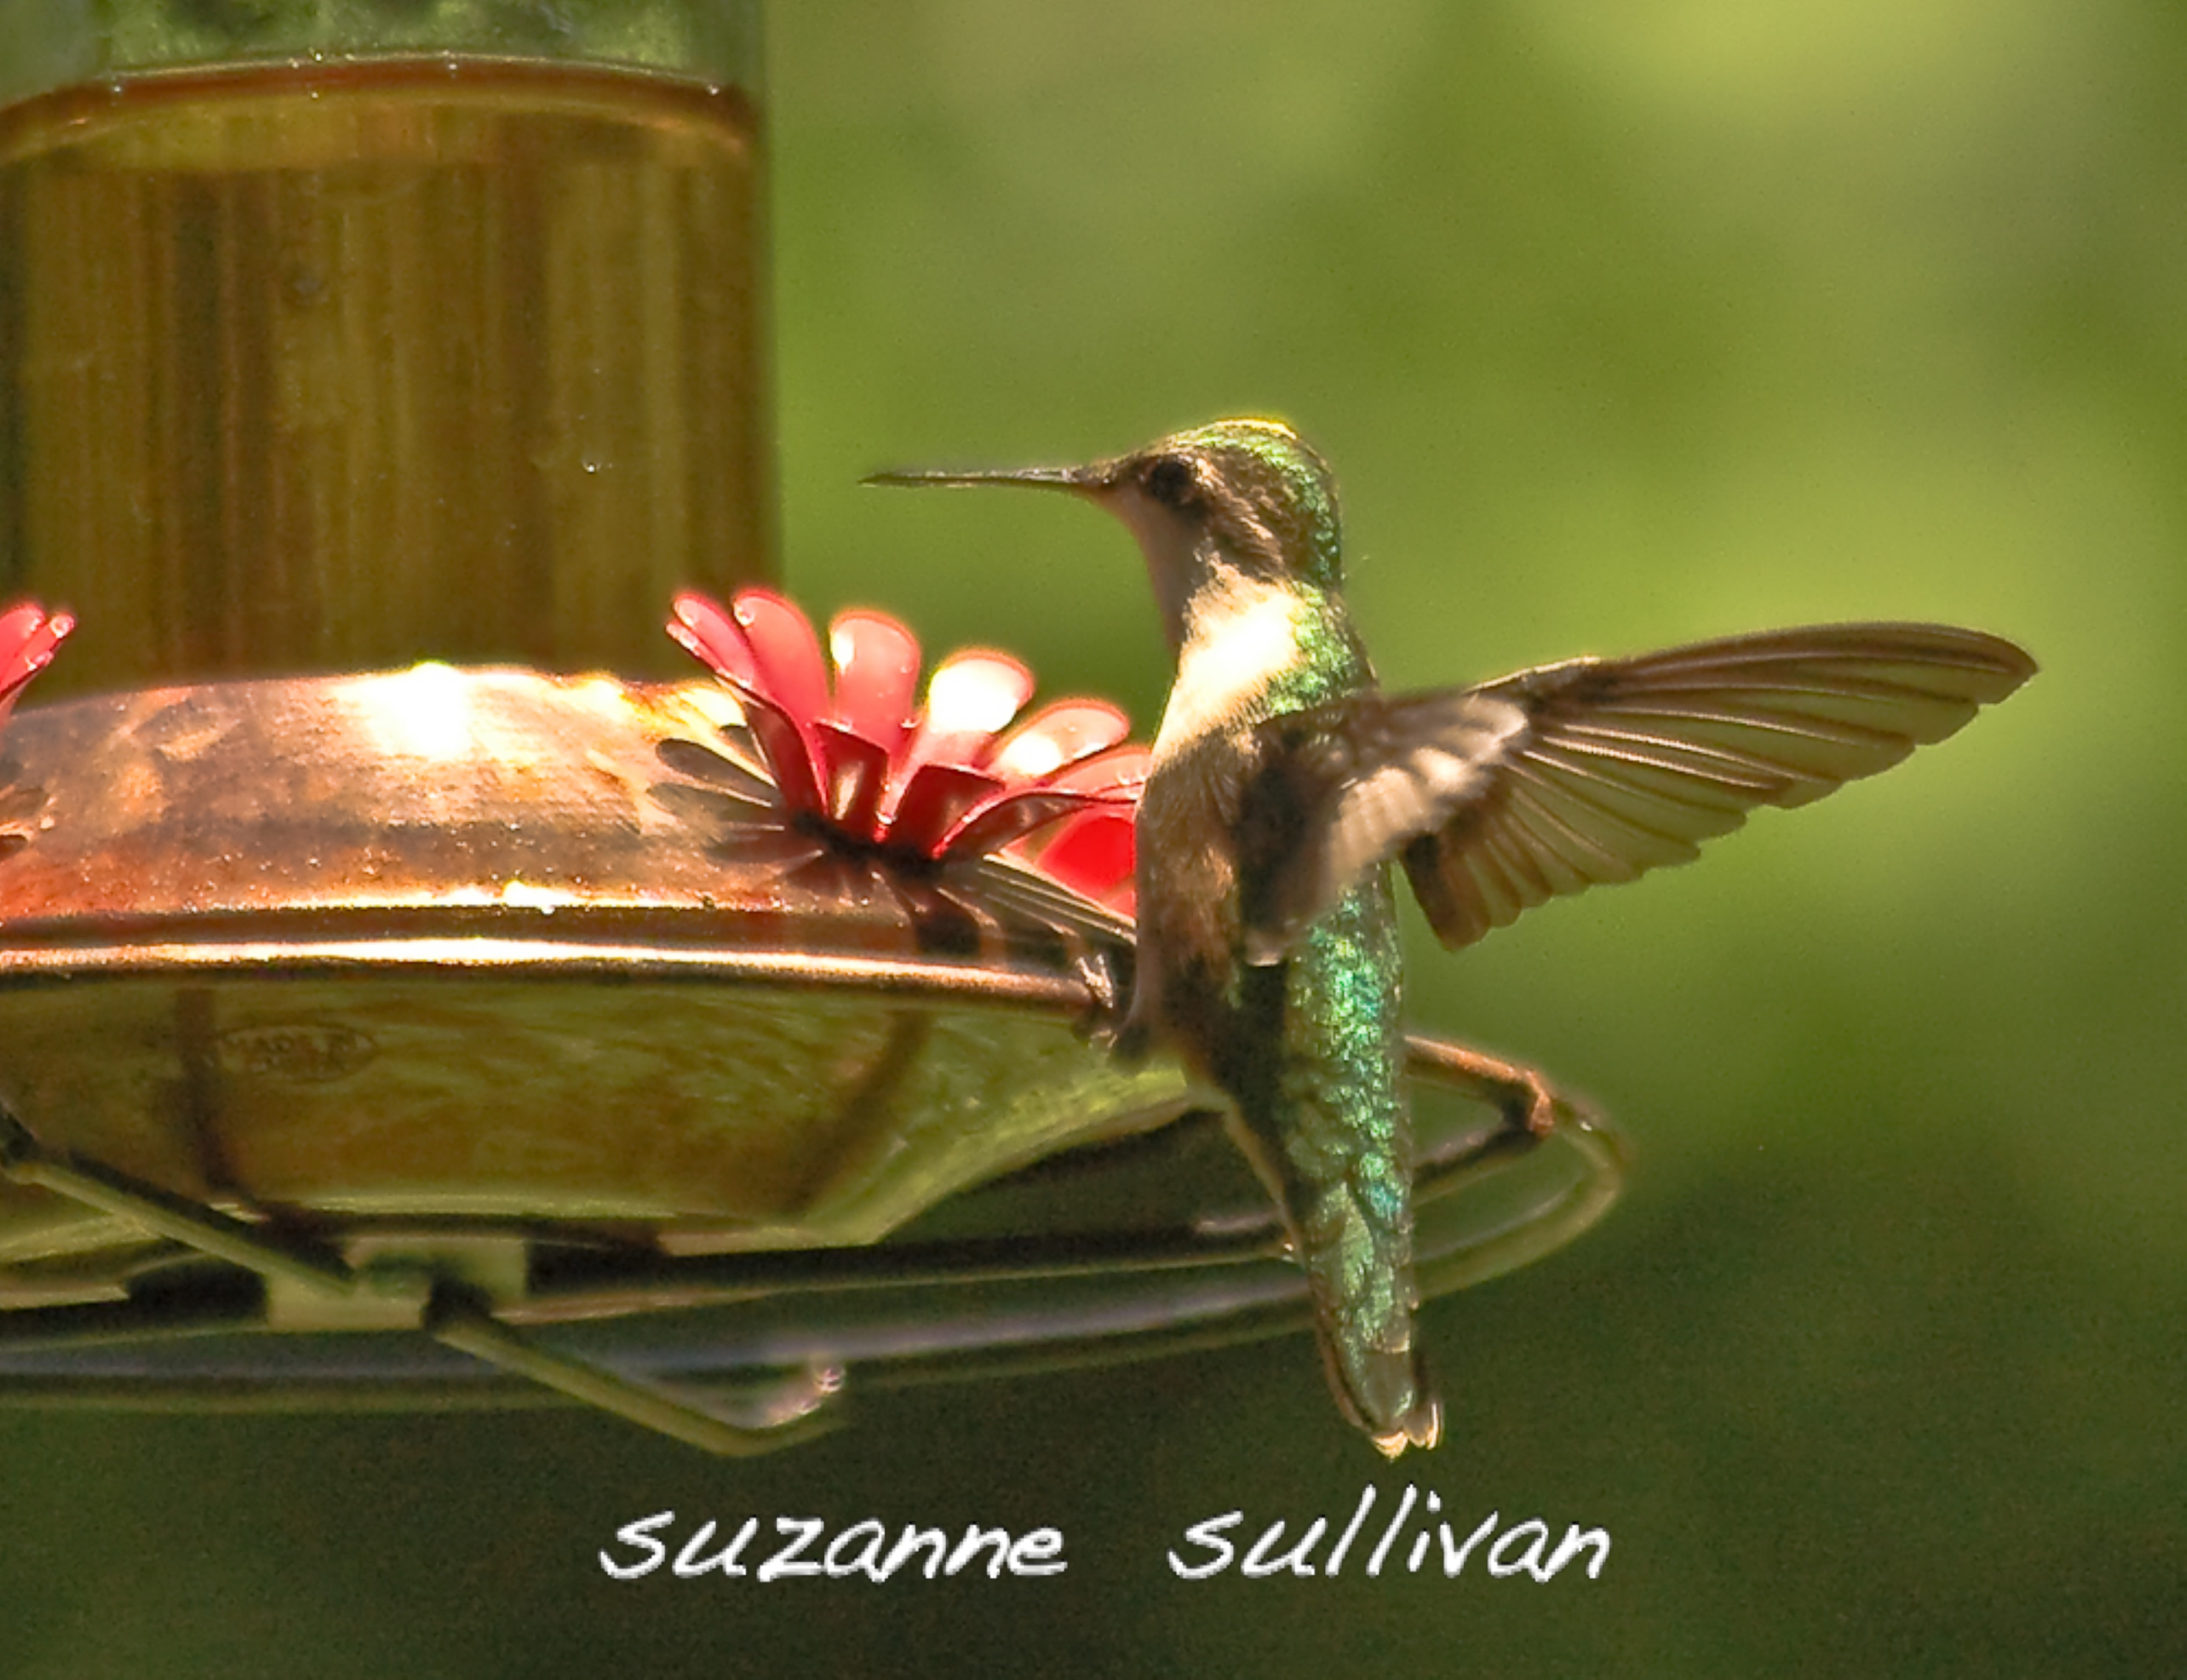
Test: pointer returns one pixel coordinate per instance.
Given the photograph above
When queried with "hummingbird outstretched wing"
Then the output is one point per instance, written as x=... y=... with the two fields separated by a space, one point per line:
x=1555 y=779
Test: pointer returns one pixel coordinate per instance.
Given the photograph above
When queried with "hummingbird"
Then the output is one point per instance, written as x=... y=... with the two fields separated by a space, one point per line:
x=1285 y=788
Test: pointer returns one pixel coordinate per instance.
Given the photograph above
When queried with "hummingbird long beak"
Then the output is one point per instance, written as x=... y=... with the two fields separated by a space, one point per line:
x=1083 y=481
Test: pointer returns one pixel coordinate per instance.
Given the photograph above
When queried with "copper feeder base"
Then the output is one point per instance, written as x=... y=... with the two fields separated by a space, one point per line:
x=336 y=1009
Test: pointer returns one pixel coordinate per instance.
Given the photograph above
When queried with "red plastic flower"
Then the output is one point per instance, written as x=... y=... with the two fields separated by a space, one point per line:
x=28 y=636
x=861 y=757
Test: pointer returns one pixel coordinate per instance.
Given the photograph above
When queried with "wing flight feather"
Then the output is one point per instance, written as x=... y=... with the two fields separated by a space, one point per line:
x=1593 y=770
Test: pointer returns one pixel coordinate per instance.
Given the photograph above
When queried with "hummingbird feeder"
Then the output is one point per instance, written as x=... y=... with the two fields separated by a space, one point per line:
x=705 y=1047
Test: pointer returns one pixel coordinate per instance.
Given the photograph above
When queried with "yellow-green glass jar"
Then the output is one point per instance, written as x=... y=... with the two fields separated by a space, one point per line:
x=339 y=333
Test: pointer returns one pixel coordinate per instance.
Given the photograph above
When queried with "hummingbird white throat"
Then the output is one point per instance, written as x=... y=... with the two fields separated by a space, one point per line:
x=1284 y=784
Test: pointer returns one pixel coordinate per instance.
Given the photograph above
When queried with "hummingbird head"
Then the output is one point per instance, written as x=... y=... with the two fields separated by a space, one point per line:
x=1237 y=497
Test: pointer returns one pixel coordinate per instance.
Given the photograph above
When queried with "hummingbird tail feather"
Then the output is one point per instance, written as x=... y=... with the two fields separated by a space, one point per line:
x=1421 y=1425
x=1360 y=1268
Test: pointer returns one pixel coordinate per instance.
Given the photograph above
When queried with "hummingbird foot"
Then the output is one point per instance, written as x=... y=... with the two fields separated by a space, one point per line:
x=1529 y=1102
x=1118 y=1017
x=1126 y=1041
x=1526 y=1100
x=1131 y=1044
x=1536 y=1106
x=1108 y=1022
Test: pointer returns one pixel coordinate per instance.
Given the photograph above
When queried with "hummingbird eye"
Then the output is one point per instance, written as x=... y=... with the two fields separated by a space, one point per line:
x=1171 y=481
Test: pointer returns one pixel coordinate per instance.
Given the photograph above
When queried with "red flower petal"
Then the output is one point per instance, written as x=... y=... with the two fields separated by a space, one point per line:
x=945 y=782
x=876 y=678
x=28 y=637
x=977 y=688
x=1057 y=735
x=754 y=668
x=1096 y=854
x=706 y=629
x=791 y=671
x=1109 y=779
x=857 y=778
x=1010 y=815
x=971 y=694
x=939 y=797
x=1120 y=774
x=793 y=753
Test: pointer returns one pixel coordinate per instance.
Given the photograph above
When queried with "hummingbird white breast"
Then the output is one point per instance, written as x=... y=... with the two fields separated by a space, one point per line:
x=1240 y=634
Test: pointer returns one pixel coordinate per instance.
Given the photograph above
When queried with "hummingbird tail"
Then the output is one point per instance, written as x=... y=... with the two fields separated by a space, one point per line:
x=1346 y=1202
x=1363 y=1297
x=1420 y=1425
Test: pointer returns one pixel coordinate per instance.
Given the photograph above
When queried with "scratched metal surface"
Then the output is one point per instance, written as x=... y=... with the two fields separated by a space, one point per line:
x=462 y=942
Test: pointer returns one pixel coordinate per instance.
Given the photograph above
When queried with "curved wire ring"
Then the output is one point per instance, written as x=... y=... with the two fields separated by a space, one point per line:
x=632 y=1332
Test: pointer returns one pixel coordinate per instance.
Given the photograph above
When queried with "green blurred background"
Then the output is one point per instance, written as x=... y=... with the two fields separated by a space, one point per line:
x=1623 y=326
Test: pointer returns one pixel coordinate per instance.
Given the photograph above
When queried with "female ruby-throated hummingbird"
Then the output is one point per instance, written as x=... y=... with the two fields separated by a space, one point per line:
x=1283 y=783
